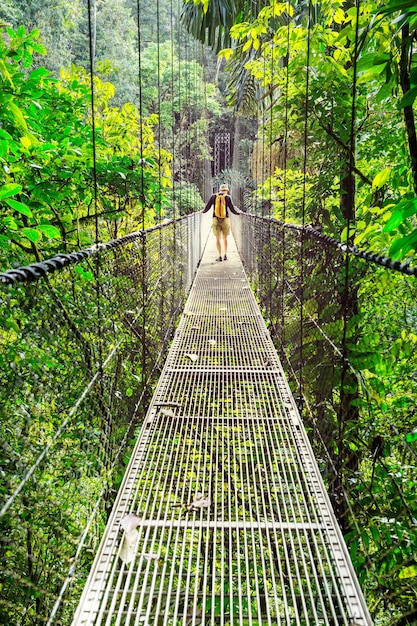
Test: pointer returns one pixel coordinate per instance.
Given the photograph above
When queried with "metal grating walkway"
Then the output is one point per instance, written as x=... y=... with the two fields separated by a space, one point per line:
x=235 y=526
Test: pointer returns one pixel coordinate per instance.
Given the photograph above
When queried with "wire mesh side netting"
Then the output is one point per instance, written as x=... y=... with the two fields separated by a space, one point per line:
x=80 y=351
x=346 y=336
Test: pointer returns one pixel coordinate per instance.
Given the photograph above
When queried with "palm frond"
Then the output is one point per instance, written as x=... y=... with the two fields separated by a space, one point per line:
x=211 y=28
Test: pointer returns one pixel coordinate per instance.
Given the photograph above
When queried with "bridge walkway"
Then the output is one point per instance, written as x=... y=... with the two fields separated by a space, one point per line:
x=222 y=516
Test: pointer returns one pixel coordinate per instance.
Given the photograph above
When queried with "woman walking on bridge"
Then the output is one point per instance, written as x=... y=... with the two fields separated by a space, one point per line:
x=221 y=203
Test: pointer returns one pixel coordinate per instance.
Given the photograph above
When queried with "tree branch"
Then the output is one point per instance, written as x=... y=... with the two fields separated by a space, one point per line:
x=342 y=144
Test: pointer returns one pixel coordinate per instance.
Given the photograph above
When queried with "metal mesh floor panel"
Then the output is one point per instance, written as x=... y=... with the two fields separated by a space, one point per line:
x=235 y=525
x=214 y=342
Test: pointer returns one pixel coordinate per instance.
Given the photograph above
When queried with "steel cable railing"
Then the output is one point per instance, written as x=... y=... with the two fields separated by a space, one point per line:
x=359 y=427
x=68 y=415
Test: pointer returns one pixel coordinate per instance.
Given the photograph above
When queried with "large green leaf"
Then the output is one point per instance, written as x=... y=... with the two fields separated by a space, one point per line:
x=400 y=212
x=398 y=5
x=32 y=234
x=408 y=98
x=381 y=178
x=400 y=247
x=40 y=72
x=50 y=231
x=19 y=206
x=408 y=572
x=10 y=189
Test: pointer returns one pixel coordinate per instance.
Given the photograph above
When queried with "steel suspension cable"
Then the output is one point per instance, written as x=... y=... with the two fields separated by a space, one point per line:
x=285 y=163
x=371 y=257
x=97 y=267
x=142 y=195
x=270 y=176
x=178 y=142
x=349 y=217
x=304 y=194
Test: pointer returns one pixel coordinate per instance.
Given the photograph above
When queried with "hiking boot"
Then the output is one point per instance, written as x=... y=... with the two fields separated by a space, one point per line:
x=219 y=259
x=225 y=258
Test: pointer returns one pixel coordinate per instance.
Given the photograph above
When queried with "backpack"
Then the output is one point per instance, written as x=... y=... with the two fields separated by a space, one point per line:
x=220 y=206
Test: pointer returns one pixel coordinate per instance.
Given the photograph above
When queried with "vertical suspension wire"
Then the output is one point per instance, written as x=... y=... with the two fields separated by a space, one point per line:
x=368 y=562
x=142 y=202
x=173 y=162
x=264 y=230
x=303 y=204
x=351 y=209
x=92 y=29
x=284 y=200
x=200 y=117
x=183 y=58
x=263 y=126
x=205 y=182
x=196 y=130
x=185 y=228
x=158 y=211
x=188 y=84
x=140 y=106
x=260 y=155
x=158 y=60
x=92 y=46
x=178 y=139
x=269 y=203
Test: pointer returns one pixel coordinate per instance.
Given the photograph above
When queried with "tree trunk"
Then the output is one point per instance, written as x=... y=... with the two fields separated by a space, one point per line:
x=410 y=125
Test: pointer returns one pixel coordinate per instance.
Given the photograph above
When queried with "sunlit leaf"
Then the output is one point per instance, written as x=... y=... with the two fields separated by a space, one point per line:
x=19 y=206
x=50 y=231
x=226 y=53
x=32 y=234
x=408 y=572
x=10 y=189
x=381 y=178
x=402 y=210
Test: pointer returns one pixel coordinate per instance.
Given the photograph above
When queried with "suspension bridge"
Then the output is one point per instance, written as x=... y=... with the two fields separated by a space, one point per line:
x=222 y=517
x=186 y=441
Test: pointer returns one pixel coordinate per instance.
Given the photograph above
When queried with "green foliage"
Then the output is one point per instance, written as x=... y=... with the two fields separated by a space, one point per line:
x=382 y=154
x=116 y=49
x=47 y=190
x=210 y=21
x=172 y=84
x=183 y=199
x=285 y=191
x=61 y=188
x=174 y=89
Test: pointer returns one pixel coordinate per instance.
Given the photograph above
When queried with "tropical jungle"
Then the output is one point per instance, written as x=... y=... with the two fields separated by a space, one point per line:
x=109 y=112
